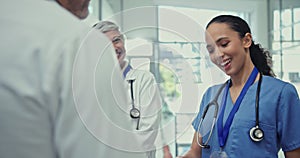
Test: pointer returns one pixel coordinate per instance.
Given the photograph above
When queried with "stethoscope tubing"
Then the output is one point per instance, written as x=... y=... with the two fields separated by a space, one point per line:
x=134 y=112
x=253 y=131
x=214 y=102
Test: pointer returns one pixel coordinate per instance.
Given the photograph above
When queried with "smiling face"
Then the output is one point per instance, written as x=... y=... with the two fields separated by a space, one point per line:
x=227 y=50
x=117 y=40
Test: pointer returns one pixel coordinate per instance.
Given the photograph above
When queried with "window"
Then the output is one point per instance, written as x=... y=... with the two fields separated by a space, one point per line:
x=286 y=44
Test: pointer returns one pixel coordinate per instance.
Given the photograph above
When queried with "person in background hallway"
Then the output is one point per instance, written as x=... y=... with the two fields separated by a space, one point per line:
x=145 y=91
x=258 y=113
x=41 y=91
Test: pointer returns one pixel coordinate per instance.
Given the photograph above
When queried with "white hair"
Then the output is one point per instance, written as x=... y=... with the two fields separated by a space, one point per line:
x=106 y=26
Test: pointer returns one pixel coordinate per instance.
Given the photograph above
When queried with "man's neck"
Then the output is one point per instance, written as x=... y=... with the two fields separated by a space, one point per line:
x=122 y=65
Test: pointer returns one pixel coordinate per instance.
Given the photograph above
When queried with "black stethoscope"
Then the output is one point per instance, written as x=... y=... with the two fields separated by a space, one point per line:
x=256 y=133
x=134 y=112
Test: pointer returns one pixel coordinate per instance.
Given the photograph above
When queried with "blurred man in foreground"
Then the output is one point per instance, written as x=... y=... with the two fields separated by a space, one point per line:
x=47 y=102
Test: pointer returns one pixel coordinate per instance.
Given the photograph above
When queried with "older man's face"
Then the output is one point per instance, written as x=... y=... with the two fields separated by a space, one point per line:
x=78 y=7
x=117 y=40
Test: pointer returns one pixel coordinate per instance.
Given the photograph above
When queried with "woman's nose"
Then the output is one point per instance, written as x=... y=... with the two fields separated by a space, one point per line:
x=219 y=52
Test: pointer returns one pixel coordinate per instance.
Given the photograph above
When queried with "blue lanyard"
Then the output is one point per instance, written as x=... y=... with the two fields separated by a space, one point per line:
x=223 y=132
x=127 y=69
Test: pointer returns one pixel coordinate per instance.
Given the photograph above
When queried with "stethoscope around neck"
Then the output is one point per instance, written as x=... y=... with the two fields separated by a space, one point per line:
x=256 y=133
x=134 y=112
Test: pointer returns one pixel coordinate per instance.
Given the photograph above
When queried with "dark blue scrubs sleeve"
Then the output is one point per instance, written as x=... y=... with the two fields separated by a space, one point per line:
x=288 y=118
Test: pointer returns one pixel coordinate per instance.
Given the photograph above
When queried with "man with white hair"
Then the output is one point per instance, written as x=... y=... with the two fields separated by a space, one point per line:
x=142 y=87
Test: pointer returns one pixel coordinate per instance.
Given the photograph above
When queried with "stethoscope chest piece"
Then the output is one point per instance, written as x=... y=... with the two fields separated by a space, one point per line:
x=256 y=134
x=134 y=113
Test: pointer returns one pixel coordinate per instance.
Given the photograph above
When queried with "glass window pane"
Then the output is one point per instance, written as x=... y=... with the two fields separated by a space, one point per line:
x=297 y=31
x=276 y=23
x=184 y=19
x=296 y=14
x=276 y=46
x=287 y=33
x=138 y=47
x=276 y=35
x=140 y=63
x=286 y=17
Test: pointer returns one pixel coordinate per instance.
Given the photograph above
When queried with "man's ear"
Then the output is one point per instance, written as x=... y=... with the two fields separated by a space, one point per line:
x=247 y=40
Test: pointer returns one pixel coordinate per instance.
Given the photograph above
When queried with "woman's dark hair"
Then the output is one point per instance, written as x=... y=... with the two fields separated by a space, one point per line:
x=260 y=57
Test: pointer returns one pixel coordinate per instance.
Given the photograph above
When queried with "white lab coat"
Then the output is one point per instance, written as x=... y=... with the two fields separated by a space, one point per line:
x=49 y=104
x=148 y=100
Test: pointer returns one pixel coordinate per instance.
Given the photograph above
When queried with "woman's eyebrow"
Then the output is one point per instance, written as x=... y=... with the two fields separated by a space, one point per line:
x=220 y=39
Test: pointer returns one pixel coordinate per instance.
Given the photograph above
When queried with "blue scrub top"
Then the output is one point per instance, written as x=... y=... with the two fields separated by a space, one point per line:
x=279 y=110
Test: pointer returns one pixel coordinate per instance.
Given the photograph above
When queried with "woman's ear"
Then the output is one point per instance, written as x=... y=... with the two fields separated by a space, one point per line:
x=247 y=40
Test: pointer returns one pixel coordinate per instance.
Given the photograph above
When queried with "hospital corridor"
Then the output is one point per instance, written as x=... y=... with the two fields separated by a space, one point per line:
x=150 y=78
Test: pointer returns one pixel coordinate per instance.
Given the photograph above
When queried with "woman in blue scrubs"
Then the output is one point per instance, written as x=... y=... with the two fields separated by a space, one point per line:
x=258 y=114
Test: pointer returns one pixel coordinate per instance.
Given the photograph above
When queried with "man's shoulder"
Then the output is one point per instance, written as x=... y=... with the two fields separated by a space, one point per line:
x=141 y=73
x=49 y=19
